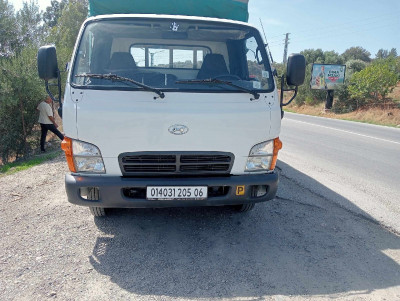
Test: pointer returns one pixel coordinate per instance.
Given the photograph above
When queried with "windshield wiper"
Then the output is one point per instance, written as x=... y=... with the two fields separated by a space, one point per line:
x=218 y=81
x=115 y=77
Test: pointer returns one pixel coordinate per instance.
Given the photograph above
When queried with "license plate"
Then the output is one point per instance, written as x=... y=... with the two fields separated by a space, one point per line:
x=176 y=193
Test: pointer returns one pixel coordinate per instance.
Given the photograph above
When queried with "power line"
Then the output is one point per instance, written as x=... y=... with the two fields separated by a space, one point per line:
x=266 y=41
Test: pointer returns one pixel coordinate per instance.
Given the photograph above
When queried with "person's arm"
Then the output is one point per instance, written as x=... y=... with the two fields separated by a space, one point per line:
x=53 y=121
x=50 y=114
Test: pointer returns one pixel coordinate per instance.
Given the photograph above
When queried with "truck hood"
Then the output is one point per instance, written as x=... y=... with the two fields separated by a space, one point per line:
x=137 y=121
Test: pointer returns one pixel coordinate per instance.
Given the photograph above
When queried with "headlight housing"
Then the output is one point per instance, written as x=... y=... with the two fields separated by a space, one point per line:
x=263 y=156
x=82 y=156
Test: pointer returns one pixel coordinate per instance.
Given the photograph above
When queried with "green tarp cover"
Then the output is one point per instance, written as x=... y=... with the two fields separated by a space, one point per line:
x=226 y=9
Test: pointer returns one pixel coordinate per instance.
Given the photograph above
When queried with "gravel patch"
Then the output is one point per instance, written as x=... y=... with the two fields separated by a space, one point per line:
x=298 y=246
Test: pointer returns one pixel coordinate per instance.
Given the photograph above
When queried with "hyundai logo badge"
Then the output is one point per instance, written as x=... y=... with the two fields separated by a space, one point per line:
x=178 y=129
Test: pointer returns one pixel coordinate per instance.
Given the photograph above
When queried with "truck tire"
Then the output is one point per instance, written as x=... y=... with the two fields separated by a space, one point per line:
x=96 y=211
x=244 y=207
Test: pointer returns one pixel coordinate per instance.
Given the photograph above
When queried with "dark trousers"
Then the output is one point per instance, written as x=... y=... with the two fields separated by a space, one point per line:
x=45 y=128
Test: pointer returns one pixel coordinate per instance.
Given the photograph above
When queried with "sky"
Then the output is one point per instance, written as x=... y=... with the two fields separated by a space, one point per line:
x=330 y=25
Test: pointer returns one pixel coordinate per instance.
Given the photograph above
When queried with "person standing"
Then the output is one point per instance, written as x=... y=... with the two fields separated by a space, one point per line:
x=322 y=79
x=47 y=122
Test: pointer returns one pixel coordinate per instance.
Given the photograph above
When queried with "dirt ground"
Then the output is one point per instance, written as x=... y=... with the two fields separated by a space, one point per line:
x=299 y=246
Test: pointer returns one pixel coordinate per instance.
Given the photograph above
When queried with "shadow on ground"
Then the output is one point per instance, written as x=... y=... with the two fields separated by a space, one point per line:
x=299 y=244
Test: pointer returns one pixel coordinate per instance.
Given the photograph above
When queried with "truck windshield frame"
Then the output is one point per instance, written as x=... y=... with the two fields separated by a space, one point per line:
x=188 y=50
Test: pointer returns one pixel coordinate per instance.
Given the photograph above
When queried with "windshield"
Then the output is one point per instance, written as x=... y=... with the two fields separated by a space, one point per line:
x=169 y=54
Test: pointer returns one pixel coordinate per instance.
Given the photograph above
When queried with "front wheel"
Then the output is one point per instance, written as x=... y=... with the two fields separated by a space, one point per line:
x=244 y=207
x=96 y=211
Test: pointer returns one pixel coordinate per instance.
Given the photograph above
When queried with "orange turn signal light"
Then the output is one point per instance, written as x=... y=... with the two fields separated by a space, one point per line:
x=66 y=146
x=277 y=148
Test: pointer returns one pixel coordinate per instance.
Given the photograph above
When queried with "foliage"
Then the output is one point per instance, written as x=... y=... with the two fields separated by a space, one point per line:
x=383 y=53
x=354 y=66
x=374 y=82
x=322 y=57
x=29 y=25
x=18 y=30
x=332 y=57
x=356 y=53
x=344 y=103
x=53 y=12
x=8 y=29
x=20 y=92
x=313 y=56
x=65 y=33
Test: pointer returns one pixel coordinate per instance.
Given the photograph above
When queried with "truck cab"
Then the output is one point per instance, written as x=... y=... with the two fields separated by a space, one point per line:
x=166 y=111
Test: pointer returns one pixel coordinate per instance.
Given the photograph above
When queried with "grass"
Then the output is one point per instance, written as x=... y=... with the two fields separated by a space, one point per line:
x=15 y=167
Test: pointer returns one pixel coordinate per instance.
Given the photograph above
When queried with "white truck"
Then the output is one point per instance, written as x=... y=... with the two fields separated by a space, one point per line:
x=169 y=110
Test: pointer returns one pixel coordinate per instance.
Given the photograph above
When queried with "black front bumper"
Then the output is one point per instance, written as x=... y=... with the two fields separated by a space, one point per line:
x=112 y=190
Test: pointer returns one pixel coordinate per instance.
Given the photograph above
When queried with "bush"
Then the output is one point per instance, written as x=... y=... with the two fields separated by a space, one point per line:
x=374 y=82
x=20 y=92
x=344 y=103
x=355 y=66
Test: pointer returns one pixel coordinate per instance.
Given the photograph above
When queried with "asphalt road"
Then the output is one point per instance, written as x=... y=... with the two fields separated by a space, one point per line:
x=359 y=162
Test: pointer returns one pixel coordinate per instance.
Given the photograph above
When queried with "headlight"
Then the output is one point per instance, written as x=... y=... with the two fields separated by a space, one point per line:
x=80 y=148
x=82 y=156
x=89 y=164
x=263 y=149
x=258 y=163
x=263 y=156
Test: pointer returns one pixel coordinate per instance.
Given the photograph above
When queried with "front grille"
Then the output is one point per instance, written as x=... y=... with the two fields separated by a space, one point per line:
x=204 y=167
x=205 y=158
x=149 y=159
x=150 y=168
x=179 y=163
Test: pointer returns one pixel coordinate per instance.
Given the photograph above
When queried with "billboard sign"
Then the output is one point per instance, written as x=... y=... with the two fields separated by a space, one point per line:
x=327 y=77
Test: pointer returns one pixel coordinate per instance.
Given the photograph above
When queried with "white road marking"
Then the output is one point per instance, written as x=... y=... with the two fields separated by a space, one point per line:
x=344 y=131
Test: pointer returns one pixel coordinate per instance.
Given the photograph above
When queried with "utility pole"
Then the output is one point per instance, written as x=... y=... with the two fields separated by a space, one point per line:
x=286 y=49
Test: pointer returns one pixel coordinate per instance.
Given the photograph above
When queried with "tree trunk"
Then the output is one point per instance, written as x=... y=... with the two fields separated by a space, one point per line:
x=21 y=107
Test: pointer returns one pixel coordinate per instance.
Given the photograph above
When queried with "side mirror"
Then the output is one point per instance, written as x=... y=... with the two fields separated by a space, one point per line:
x=295 y=74
x=47 y=63
x=48 y=69
x=296 y=70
